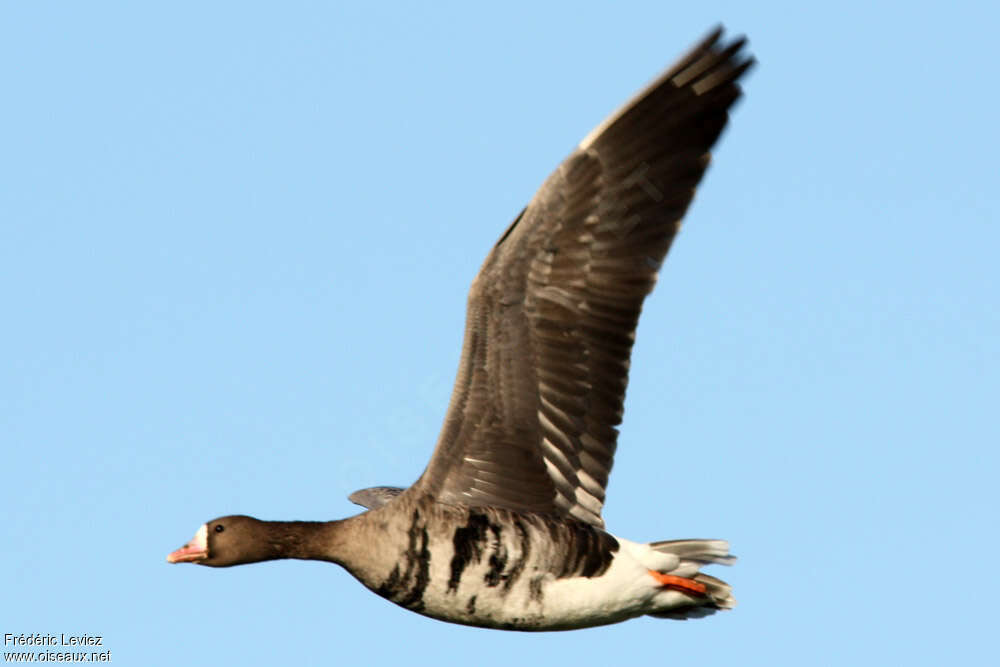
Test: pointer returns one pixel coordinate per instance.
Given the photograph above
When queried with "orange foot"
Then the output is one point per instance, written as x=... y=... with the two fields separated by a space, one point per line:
x=682 y=584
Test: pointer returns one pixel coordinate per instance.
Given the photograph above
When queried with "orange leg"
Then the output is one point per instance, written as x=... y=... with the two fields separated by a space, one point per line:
x=682 y=584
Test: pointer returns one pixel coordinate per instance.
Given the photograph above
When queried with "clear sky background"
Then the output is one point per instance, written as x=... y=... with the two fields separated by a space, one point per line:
x=235 y=245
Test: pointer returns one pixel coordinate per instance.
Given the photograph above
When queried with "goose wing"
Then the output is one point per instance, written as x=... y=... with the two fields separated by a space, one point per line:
x=552 y=313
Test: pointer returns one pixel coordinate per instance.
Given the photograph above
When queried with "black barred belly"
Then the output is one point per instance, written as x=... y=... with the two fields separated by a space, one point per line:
x=489 y=567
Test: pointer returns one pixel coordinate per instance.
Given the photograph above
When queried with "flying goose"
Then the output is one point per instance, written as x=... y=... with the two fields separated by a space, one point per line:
x=504 y=529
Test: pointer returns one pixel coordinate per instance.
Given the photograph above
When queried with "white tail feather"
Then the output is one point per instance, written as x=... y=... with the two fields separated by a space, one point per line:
x=692 y=555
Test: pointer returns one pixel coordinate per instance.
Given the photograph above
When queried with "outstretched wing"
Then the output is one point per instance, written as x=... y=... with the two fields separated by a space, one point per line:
x=552 y=314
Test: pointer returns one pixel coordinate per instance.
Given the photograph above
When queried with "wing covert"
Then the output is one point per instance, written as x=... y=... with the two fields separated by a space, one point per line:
x=552 y=313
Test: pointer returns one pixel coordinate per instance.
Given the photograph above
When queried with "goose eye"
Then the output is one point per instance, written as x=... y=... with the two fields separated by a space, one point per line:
x=220 y=528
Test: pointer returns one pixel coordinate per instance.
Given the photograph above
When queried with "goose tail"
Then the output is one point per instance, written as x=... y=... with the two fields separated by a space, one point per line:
x=712 y=594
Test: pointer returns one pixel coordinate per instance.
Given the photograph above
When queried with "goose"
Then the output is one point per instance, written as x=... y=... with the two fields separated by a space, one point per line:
x=503 y=529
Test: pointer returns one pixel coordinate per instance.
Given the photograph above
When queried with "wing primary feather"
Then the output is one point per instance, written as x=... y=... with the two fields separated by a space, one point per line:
x=552 y=313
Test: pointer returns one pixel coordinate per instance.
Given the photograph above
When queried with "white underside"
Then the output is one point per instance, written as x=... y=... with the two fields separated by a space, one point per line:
x=625 y=590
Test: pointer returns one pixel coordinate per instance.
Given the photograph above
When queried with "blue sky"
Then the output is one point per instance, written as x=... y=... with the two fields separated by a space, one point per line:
x=235 y=249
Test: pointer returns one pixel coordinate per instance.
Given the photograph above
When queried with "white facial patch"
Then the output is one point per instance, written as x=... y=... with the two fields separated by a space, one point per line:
x=200 y=539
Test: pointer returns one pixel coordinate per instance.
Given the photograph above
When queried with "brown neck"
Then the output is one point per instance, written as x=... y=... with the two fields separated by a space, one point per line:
x=305 y=540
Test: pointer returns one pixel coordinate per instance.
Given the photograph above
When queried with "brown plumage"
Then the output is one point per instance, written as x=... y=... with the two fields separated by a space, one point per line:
x=552 y=314
x=504 y=527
